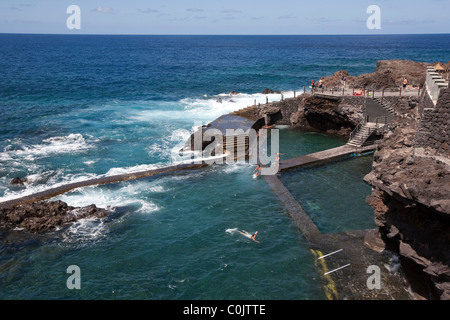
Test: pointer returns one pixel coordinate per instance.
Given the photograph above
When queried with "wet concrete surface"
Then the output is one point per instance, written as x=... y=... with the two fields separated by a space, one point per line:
x=362 y=273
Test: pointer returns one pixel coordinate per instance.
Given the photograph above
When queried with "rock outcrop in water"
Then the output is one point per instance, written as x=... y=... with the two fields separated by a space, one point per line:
x=269 y=91
x=46 y=216
x=411 y=195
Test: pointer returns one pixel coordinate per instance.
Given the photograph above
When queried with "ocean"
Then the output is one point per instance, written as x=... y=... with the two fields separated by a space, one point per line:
x=75 y=107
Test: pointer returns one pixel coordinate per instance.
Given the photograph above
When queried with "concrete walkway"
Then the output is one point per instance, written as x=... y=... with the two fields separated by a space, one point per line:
x=326 y=155
x=307 y=227
x=369 y=93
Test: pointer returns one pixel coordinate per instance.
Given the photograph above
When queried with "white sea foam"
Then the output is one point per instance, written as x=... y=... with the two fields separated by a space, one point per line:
x=90 y=162
x=236 y=167
x=206 y=108
x=85 y=230
x=215 y=106
x=45 y=180
x=130 y=194
x=232 y=231
x=155 y=149
x=133 y=169
x=157 y=189
x=71 y=143
x=394 y=264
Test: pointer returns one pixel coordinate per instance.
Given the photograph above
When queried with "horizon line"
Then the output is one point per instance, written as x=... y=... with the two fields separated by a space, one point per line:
x=220 y=34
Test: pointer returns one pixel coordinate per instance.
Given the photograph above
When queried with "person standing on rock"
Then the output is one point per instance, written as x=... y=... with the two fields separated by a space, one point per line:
x=405 y=83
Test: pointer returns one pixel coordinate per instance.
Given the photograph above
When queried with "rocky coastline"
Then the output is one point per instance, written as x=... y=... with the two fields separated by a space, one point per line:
x=411 y=196
x=40 y=217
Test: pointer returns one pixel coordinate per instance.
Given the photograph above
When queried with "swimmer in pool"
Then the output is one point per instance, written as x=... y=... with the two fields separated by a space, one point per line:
x=258 y=170
x=249 y=235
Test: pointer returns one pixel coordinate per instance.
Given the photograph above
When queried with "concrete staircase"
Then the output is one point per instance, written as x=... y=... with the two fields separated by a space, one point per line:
x=240 y=142
x=388 y=108
x=360 y=136
x=377 y=116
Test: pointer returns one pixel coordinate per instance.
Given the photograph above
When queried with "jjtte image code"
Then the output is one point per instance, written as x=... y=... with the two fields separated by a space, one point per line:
x=239 y=310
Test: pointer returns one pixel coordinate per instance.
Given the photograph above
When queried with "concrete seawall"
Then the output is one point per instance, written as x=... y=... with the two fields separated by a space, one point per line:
x=306 y=226
x=53 y=192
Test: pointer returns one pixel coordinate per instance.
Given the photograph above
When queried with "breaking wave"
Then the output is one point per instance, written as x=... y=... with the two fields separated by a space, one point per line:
x=71 y=143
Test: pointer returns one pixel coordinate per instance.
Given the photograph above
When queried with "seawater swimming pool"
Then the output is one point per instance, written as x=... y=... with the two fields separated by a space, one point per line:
x=125 y=103
x=175 y=237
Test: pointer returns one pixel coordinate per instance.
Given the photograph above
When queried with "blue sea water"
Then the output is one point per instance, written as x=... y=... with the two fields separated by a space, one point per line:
x=74 y=107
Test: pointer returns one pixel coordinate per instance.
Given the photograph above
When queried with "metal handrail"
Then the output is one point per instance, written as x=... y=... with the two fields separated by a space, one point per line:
x=358 y=127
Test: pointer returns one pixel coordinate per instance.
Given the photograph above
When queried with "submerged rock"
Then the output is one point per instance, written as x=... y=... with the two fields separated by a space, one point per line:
x=269 y=91
x=46 y=216
x=18 y=181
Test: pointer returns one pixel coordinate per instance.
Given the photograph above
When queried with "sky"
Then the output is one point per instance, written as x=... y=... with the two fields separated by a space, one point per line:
x=230 y=17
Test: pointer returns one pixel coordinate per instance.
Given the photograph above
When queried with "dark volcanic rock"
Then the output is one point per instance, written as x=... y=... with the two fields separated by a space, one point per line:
x=269 y=91
x=410 y=195
x=335 y=115
x=388 y=74
x=45 y=216
x=18 y=182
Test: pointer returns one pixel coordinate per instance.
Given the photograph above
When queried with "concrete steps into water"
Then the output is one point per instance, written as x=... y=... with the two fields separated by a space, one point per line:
x=347 y=264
